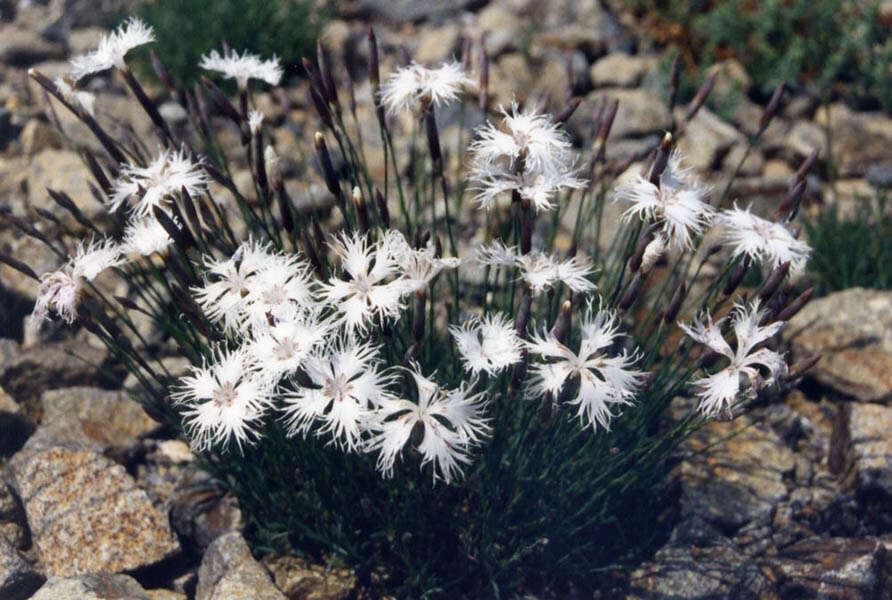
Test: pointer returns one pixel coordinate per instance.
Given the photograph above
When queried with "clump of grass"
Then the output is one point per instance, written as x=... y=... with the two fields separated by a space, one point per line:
x=186 y=29
x=444 y=417
x=854 y=250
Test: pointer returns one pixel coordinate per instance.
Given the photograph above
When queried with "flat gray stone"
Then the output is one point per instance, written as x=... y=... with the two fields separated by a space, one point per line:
x=92 y=587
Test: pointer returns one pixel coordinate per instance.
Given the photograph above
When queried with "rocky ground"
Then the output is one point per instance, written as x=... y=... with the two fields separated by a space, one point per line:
x=790 y=500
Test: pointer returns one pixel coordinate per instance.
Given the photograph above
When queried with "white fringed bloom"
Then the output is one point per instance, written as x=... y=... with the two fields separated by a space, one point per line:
x=719 y=390
x=62 y=290
x=487 y=344
x=145 y=236
x=452 y=422
x=280 y=284
x=347 y=386
x=528 y=154
x=540 y=270
x=255 y=121
x=281 y=348
x=676 y=205
x=412 y=86
x=165 y=176
x=367 y=293
x=417 y=266
x=244 y=67
x=112 y=49
x=770 y=243
x=221 y=297
x=603 y=381
x=223 y=401
x=83 y=98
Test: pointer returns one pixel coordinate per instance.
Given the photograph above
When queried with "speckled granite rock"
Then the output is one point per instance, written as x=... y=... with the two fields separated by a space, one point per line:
x=92 y=587
x=13 y=526
x=852 y=329
x=741 y=478
x=87 y=515
x=297 y=579
x=868 y=442
x=838 y=568
x=229 y=572
x=18 y=579
x=30 y=371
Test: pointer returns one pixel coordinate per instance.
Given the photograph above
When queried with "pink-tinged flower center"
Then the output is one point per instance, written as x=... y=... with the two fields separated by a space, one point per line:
x=338 y=387
x=286 y=349
x=225 y=395
x=274 y=295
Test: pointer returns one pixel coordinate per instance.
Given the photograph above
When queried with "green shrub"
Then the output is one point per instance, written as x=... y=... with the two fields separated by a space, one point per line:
x=853 y=251
x=186 y=29
x=829 y=47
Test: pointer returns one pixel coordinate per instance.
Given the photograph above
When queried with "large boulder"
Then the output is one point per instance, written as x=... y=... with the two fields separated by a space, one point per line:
x=852 y=330
x=229 y=572
x=101 y=586
x=87 y=515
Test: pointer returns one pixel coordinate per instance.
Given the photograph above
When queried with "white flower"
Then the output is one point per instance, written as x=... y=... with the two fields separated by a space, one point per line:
x=417 y=266
x=491 y=181
x=223 y=402
x=146 y=236
x=347 y=385
x=415 y=85
x=603 y=381
x=281 y=348
x=722 y=388
x=528 y=154
x=153 y=185
x=452 y=422
x=221 y=297
x=487 y=344
x=529 y=134
x=85 y=99
x=540 y=270
x=62 y=290
x=280 y=283
x=244 y=67
x=677 y=204
x=112 y=49
x=770 y=243
x=366 y=294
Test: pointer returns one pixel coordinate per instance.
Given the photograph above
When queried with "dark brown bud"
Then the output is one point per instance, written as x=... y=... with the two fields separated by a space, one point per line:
x=284 y=201
x=632 y=291
x=777 y=276
x=645 y=239
x=805 y=167
x=310 y=251
x=320 y=106
x=433 y=140
x=65 y=201
x=181 y=237
x=567 y=112
x=795 y=306
x=331 y=178
x=803 y=366
x=607 y=123
x=161 y=71
x=674 y=75
x=98 y=173
x=790 y=204
x=736 y=276
x=328 y=85
x=418 y=315
x=222 y=101
x=18 y=266
x=383 y=211
x=483 y=67
x=701 y=96
x=661 y=159
x=374 y=73
x=771 y=109
x=562 y=324
x=675 y=303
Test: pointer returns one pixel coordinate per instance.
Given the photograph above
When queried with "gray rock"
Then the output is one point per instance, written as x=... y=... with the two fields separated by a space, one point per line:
x=21 y=47
x=92 y=587
x=503 y=27
x=16 y=428
x=880 y=174
x=13 y=526
x=742 y=477
x=298 y=579
x=839 y=568
x=38 y=135
x=707 y=139
x=852 y=330
x=62 y=171
x=200 y=511
x=402 y=11
x=108 y=417
x=859 y=139
x=18 y=579
x=864 y=434
x=229 y=572
x=584 y=26
x=30 y=371
x=621 y=70
x=640 y=112
x=87 y=515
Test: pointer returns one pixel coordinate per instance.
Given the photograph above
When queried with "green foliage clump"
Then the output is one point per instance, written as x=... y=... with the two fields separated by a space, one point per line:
x=186 y=29
x=828 y=47
x=853 y=251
